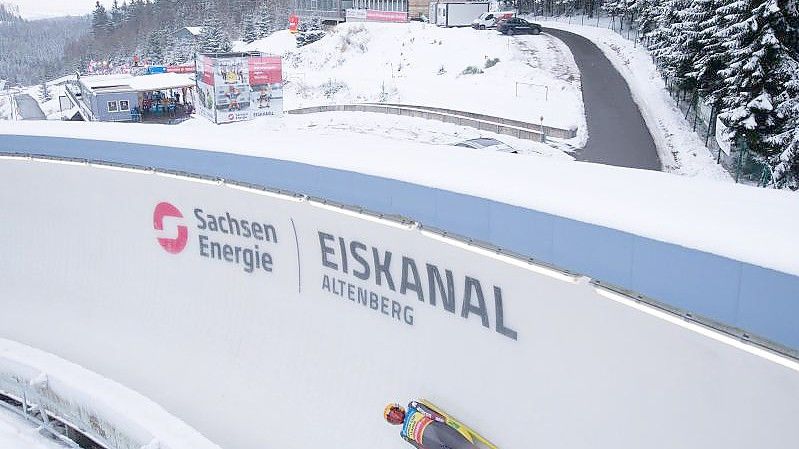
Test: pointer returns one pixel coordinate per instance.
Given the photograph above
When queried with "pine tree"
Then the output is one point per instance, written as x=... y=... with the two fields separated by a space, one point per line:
x=761 y=85
x=44 y=91
x=100 y=23
x=646 y=13
x=713 y=57
x=213 y=38
x=156 y=46
x=250 y=32
x=265 y=22
x=668 y=43
x=309 y=31
x=116 y=16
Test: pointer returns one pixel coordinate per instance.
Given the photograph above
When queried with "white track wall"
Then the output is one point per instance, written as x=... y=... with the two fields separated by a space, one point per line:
x=275 y=360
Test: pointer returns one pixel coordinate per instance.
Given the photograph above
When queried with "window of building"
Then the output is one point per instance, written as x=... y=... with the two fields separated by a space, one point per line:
x=124 y=105
x=113 y=106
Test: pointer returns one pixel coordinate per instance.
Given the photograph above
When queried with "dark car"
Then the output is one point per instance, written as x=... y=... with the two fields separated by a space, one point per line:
x=516 y=25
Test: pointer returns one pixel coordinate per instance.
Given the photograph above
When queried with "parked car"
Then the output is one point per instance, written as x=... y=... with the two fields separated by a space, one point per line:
x=487 y=143
x=491 y=18
x=517 y=25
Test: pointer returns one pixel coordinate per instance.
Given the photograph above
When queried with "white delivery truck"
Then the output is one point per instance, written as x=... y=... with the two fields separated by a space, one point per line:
x=490 y=19
x=459 y=14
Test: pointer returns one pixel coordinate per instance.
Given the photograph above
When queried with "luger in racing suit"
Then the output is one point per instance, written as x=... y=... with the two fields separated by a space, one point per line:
x=426 y=429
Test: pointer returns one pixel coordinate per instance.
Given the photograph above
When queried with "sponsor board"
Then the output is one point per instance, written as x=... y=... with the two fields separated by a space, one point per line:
x=373 y=15
x=239 y=88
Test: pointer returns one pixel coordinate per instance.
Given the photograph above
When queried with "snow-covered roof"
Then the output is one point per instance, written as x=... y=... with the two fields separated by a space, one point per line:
x=196 y=31
x=143 y=83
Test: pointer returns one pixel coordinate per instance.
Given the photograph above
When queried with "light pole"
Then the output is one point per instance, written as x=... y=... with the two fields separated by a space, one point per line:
x=543 y=136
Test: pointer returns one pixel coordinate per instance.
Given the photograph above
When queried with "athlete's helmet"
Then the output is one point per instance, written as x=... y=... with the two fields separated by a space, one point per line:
x=394 y=414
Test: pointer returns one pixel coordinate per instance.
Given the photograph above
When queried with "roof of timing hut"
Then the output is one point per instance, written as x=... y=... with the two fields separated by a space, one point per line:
x=143 y=83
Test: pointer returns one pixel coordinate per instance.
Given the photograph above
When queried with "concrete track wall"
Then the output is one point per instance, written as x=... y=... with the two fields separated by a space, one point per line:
x=124 y=273
x=758 y=301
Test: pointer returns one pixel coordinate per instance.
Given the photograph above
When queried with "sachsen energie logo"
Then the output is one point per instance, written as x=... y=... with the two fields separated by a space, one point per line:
x=249 y=235
x=171 y=245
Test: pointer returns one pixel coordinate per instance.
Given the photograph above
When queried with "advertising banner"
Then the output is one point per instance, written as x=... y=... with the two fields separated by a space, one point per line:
x=276 y=306
x=207 y=72
x=373 y=15
x=265 y=70
x=204 y=95
x=187 y=68
x=239 y=88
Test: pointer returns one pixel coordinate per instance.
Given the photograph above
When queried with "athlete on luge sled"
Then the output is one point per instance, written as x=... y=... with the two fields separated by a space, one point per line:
x=425 y=426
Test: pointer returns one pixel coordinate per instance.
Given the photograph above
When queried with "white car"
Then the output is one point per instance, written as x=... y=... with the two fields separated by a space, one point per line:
x=490 y=19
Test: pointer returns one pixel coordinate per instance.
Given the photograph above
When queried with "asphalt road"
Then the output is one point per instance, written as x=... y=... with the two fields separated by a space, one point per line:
x=28 y=108
x=617 y=134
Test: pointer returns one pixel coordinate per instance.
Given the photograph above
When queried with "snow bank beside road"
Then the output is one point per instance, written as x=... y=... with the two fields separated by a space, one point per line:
x=680 y=149
x=417 y=63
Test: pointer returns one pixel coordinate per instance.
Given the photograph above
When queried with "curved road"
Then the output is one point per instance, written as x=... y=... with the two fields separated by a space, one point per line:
x=617 y=134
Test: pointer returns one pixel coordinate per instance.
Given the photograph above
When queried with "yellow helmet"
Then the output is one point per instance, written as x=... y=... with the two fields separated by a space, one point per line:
x=394 y=413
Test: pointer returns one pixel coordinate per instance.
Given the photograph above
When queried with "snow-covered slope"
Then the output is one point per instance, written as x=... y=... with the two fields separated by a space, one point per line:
x=417 y=63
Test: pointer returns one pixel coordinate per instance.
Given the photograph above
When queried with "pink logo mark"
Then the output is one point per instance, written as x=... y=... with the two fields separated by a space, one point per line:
x=174 y=245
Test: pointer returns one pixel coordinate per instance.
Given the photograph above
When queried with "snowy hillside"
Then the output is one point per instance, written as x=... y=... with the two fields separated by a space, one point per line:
x=417 y=63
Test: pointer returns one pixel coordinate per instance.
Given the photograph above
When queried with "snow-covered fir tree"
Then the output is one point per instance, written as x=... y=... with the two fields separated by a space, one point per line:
x=646 y=14
x=265 y=21
x=44 y=92
x=157 y=46
x=713 y=55
x=670 y=45
x=761 y=85
x=213 y=38
x=100 y=21
x=250 y=31
x=116 y=16
x=309 y=31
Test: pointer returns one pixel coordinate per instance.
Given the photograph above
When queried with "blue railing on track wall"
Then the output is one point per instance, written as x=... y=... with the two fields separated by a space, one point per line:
x=757 y=300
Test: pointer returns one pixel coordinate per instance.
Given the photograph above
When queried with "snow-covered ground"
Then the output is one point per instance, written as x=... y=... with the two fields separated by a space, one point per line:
x=681 y=150
x=16 y=433
x=422 y=64
x=385 y=128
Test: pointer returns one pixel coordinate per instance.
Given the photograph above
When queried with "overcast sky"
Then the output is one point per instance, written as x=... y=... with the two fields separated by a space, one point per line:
x=35 y=9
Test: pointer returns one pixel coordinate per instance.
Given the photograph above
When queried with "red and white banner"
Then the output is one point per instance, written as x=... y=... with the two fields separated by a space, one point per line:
x=386 y=16
x=180 y=69
x=373 y=15
x=265 y=70
x=208 y=70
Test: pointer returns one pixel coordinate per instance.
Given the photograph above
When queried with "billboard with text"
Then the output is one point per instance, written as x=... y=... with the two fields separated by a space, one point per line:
x=234 y=88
